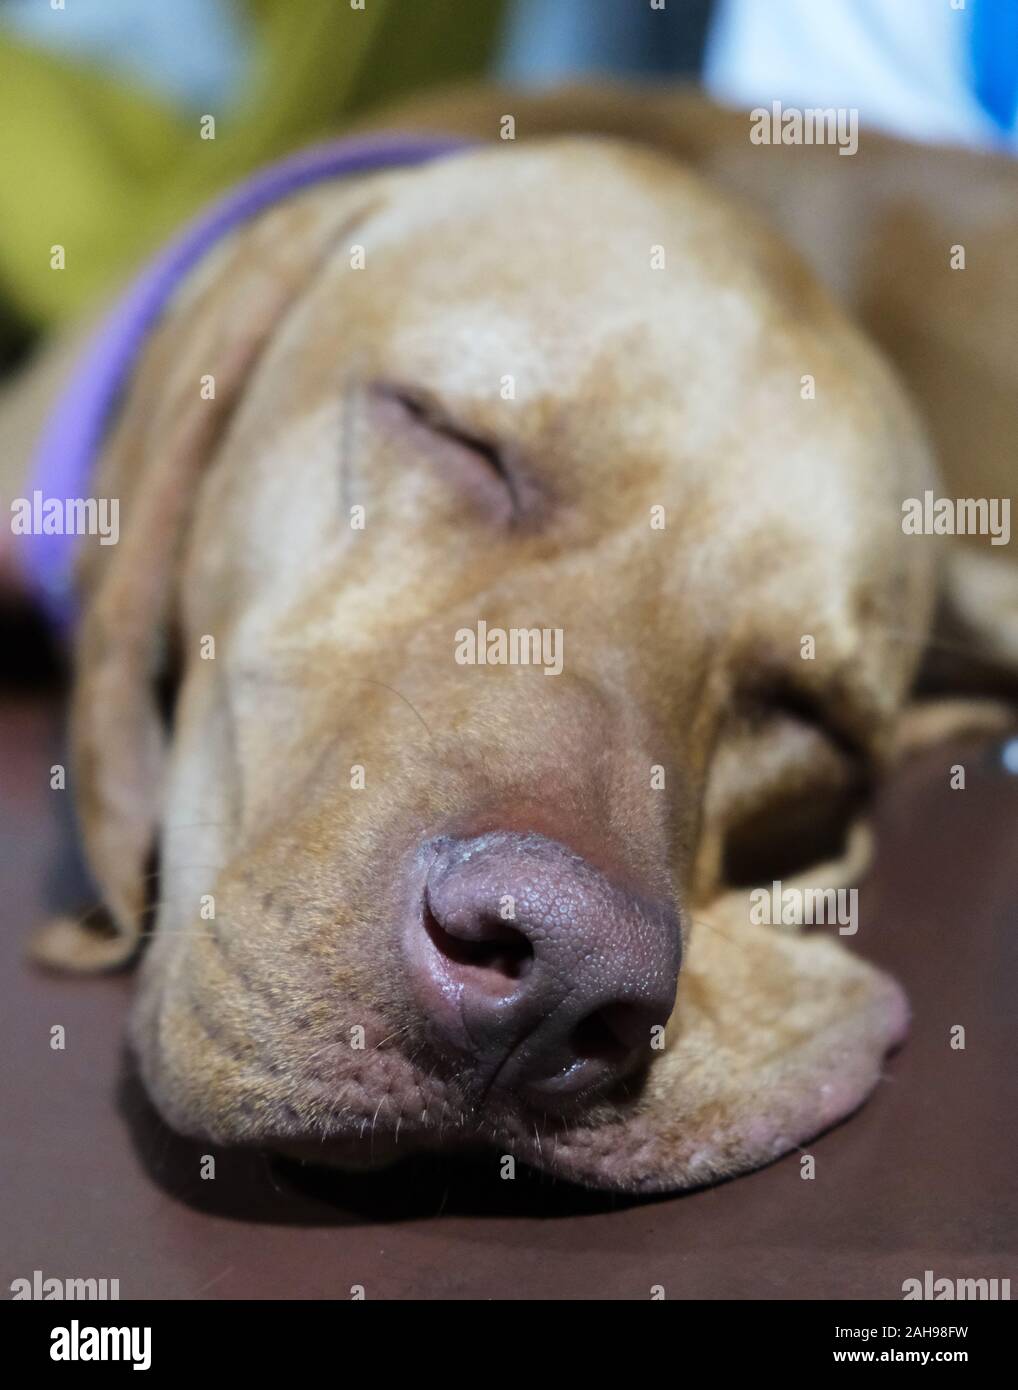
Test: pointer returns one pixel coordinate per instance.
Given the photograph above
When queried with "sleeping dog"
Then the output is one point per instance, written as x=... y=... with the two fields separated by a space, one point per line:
x=412 y=901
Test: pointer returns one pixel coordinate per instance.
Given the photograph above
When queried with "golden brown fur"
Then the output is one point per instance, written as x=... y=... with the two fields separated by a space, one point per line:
x=635 y=389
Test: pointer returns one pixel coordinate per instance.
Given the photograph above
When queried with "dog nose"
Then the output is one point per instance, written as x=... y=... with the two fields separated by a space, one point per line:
x=552 y=979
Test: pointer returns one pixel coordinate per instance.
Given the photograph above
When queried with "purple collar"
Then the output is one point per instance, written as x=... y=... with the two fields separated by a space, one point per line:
x=75 y=430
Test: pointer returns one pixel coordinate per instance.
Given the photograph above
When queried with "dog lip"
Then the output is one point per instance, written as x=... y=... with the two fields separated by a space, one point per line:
x=582 y=1079
x=579 y=1081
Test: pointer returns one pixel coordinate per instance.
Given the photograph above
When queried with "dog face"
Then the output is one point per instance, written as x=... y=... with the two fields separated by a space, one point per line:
x=409 y=899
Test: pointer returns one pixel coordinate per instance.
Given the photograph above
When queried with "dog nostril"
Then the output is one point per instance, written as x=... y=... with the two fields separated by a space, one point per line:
x=604 y=1036
x=497 y=948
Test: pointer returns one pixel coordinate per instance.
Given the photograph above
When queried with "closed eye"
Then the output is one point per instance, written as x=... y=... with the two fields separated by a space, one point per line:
x=423 y=412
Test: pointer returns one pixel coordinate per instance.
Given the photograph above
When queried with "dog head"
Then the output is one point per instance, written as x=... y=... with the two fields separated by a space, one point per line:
x=531 y=588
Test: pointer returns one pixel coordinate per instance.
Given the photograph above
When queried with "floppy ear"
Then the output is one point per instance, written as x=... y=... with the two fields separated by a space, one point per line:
x=778 y=1031
x=776 y=1035
x=166 y=434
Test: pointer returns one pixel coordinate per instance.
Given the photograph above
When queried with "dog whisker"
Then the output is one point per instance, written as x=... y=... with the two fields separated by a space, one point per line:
x=712 y=926
x=405 y=1029
x=399 y=694
x=272 y=1182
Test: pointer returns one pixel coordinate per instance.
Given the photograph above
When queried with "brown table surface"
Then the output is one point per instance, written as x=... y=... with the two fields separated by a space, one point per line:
x=923 y=1177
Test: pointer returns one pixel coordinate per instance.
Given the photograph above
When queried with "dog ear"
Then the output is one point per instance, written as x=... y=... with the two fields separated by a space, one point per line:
x=778 y=1031
x=167 y=431
x=783 y=1030
x=777 y=1034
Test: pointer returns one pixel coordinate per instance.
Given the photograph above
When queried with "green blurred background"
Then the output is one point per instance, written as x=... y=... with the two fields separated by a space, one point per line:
x=101 y=161
x=101 y=105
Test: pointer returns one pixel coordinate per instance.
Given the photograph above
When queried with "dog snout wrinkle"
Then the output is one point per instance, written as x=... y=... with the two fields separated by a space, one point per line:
x=537 y=967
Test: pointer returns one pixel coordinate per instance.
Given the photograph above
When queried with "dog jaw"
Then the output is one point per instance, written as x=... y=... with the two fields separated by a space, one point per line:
x=736 y=1087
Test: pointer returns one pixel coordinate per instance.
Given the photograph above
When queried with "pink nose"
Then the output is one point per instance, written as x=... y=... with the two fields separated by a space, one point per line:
x=531 y=963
